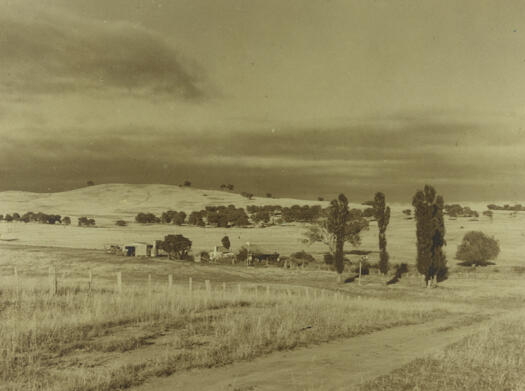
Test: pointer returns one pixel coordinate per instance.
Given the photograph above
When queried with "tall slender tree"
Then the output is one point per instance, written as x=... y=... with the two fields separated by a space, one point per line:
x=382 y=216
x=430 y=231
x=337 y=222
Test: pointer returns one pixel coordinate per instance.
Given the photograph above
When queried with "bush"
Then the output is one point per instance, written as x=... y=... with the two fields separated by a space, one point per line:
x=301 y=258
x=477 y=249
x=121 y=223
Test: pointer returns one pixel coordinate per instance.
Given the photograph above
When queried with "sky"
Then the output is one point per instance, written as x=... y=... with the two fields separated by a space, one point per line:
x=295 y=98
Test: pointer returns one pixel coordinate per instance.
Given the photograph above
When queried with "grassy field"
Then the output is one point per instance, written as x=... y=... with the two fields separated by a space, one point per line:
x=94 y=336
x=105 y=340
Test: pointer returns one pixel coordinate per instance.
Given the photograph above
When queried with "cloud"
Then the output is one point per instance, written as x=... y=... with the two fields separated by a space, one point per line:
x=54 y=52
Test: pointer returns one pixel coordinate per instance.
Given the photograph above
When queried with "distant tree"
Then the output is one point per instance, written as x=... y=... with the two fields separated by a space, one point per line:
x=16 y=217
x=230 y=187
x=489 y=214
x=8 y=218
x=1 y=217
x=177 y=246
x=196 y=219
x=268 y=195
x=86 y=222
x=369 y=212
x=477 y=248
x=226 y=242
x=121 y=223
x=247 y=195
x=90 y=183
x=320 y=199
x=187 y=183
x=147 y=218
x=261 y=216
x=66 y=220
x=407 y=212
x=179 y=218
x=223 y=187
x=430 y=232
x=382 y=216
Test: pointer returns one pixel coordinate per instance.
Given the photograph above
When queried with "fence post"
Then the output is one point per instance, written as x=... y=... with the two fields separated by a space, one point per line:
x=190 y=285
x=267 y=290
x=53 y=286
x=224 y=288
x=17 y=284
x=239 y=290
x=208 y=286
x=90 y=280
x=119 y=282
x=170 y=281
x=307 y=292
x=256 y=291
x=149 y=284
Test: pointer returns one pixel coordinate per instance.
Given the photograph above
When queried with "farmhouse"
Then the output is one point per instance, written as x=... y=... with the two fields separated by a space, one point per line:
x=138 y=249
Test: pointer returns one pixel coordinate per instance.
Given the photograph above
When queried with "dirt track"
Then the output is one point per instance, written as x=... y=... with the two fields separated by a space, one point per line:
x=340 y=365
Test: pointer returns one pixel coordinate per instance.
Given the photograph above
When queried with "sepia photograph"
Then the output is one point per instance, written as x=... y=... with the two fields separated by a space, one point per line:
x=262 y=195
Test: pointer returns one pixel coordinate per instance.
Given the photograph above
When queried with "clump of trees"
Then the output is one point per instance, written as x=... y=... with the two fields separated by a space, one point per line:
x=456 y=210
x=147 y=218
x=86 y=222
x=430 y=232
x=31 y=217
x=228 y=187
x=477 y=249
x=382 y=216
x=173 y=217
x=514 y=208
x=340 y=226
x=196 y=219
x=176 y=246
x=225 y=217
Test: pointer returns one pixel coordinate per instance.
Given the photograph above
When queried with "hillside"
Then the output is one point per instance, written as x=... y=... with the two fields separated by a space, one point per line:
x=124 y=200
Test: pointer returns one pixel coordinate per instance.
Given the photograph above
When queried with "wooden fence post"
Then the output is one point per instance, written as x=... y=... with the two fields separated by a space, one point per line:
x=90 y=281
x=149 y=284
x=17 y=284
x=170 y=281
x=359 y=272
x=190 y=285
x=224 y=288
x=267 y=290
x=119 y=282
x=239 y=290
x=208 y=286
x=53 y=285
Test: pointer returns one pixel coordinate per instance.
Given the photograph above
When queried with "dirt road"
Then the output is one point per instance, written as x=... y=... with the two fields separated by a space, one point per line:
x=339 y=365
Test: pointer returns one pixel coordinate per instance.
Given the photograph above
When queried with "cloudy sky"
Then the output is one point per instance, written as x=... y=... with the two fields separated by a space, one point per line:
x=297 y=98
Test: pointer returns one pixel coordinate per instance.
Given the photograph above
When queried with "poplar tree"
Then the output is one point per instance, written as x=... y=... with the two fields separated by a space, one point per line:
x=430 y=232
x=382 y=216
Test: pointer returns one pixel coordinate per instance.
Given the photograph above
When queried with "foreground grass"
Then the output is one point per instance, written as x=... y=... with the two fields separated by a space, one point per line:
x=75 y=340
x=492 y=360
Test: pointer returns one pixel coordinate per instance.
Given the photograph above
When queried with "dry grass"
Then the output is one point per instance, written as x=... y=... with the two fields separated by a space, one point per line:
x=492 y=360
x=76 y=340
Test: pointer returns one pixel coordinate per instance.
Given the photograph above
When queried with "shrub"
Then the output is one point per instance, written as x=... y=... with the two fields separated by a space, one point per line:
x=302 y=258
x=121 y=223
x=66 y=220
x=226 y=242
x=477 y=248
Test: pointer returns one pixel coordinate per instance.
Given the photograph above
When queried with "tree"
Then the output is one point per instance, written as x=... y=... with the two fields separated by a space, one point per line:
x=179 y=218
x=489 y=214
x=382 y=216
x=196 y=219
x=407 y=212
x=121 y=223
x=341 y=225
x=85 y=222
x=177 y=246
x=230 y=187
x=187 y=183
x=430 y=231
x=226 y=242
x=320 y=199
x=477 y=248
x=269 y=195
x=90 y=183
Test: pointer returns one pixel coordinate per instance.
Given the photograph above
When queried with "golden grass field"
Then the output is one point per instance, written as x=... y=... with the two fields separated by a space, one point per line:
x=99 y=338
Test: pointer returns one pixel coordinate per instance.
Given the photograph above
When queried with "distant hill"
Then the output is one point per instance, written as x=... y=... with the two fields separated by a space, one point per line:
x=125 y=200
